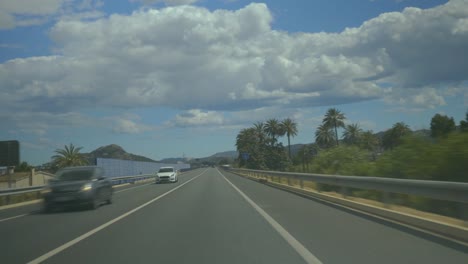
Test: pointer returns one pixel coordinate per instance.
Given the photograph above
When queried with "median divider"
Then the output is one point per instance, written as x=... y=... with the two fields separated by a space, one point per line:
x=456 y=232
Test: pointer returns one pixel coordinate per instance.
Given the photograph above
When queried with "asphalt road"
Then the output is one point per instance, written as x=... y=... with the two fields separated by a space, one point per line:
x=213 y=216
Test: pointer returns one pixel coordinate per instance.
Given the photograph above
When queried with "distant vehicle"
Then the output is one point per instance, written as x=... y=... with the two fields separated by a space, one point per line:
x=167 y=174
x=84 y=185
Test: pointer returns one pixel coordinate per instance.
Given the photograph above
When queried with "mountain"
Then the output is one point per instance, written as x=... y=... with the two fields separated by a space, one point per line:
x=226 y=154
x=215 y=158
x=114 y=151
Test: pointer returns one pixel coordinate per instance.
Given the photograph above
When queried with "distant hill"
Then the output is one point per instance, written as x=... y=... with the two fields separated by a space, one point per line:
x=226 y=154
x=114 y=151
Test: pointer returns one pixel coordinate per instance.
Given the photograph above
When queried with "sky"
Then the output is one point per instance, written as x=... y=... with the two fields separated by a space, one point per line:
x=180 y=78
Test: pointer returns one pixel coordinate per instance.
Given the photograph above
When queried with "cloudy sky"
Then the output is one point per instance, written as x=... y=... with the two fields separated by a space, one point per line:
x=167 y=78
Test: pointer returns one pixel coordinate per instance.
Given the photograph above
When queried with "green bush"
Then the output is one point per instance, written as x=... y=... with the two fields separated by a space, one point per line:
x=420 y=158
x=343 y=160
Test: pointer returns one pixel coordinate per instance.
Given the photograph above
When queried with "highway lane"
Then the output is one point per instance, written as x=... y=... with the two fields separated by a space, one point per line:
x=25 y=238
x=35 y=207
x=208 y=221
x=338 y=235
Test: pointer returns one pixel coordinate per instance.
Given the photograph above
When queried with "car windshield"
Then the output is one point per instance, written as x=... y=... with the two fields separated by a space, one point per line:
x=78 y=175
x=166 y=170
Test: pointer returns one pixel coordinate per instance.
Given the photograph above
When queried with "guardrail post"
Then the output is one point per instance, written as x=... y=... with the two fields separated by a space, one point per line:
x=463 y=212
x=386 y=199
x=344 y=191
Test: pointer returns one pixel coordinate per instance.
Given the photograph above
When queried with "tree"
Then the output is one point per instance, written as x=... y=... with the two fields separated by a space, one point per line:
x=251 y=152
x=392 y=137
x=274 y=129
x=368 y=141
x=441 y=125
x=464 y=124
x=260 y=131
x=352 y=134
x=324 y=136
x=23 y=167
x=68 y=156
x=334 y=119
x=290 y=127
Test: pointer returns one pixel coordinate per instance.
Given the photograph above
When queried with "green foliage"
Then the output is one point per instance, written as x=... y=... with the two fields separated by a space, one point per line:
x=68 y=156
x=334 y=118
x=464 y=124
x=352 y=134
x=261 y=145
x=290 y=128
x=441 y=125
x=324 y=136
x=23 y=167
x=393 y=136
x=409 y=160
x=274 y=129
x=368 y=141
x=343 y=160
x=419 y=158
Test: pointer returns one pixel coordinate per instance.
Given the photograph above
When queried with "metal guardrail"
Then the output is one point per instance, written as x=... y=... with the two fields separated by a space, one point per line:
x=447 y=191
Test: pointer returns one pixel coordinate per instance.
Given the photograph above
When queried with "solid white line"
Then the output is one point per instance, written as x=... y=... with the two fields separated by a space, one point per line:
x=13 y=217
x=99 y=228
x=300 y=249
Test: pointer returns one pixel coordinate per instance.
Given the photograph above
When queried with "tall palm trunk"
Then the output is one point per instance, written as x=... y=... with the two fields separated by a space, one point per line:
x=336 y=135
x=289 y=146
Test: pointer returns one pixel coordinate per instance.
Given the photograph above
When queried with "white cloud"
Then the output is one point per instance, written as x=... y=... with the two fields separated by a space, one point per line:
x=20 y=13
x=128 y=124
x=419 y=98
x=196 y=117
x=26 y=12
x=188 y=57
x=40 y=123
x=167 y=2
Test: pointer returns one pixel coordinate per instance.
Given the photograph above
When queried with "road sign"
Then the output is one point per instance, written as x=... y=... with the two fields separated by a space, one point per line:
x=9 y=153
x=245 y=155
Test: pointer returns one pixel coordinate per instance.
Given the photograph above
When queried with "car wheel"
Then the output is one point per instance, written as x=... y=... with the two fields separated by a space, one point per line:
x=109 y=198
x=94 y=202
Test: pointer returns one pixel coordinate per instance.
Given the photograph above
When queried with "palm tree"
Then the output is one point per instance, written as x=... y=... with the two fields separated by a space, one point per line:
x=334 y=119
x=368 y=140
x=290 y=127
x=392 y=137
x=245 y=139
x=274 y=129
x=352 y=134
x=69 y=156
x=324 y=136
x=260 y=131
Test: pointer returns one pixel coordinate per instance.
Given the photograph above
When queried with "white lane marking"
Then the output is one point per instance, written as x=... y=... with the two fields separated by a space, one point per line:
x=132 y=188
x=101 y=227
x=18 y=216
x=124 y=190
x=13 y=217
x=300 y=249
